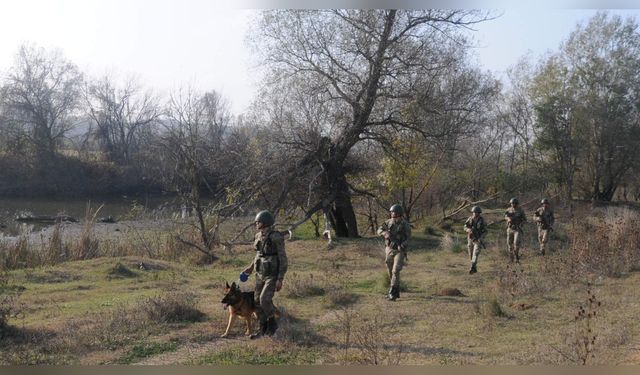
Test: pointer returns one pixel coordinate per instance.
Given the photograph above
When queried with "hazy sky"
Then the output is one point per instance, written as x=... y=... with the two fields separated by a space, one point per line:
x=199 y=42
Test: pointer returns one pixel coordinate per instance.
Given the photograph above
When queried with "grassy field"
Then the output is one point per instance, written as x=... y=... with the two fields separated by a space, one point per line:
x=136 y=310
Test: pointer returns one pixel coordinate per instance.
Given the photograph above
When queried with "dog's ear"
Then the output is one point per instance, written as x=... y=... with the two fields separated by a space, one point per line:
x=233 y=285
x=227 y=284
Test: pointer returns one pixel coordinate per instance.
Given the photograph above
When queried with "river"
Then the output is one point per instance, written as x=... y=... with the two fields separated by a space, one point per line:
x=160 y=207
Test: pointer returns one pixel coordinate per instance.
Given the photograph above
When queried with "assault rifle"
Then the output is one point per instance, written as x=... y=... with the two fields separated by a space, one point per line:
x=473 y=237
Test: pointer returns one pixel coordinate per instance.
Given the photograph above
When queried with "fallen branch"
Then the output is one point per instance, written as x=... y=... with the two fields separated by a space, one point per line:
x=196 y=246
x=466 y=203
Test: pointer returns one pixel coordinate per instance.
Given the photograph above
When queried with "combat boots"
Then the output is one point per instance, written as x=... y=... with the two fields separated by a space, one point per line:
x=271 y=326
x=473 y=269
x=394 y=293
x=262 y=331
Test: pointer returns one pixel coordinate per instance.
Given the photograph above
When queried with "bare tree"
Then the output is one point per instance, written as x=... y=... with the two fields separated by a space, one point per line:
x=361 y=67
x=120 y=114
x=41 y=94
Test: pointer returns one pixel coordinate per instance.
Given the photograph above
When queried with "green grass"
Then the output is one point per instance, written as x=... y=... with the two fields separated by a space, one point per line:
x=481 y=328
x=306 y=231
x=244 y=355
x=145 y=350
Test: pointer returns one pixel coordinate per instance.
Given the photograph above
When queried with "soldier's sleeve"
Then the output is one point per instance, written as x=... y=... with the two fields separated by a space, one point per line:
x=278 y=242
x=256 y=239
x=552 y=218
x=524 y=216
x=467 y=224
x=383 y=228
x=407 y=232
x=483 y=227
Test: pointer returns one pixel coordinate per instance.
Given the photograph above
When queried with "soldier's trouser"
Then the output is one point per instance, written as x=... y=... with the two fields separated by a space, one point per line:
x=543 y=238
x=265 y=289
x=395 y=261
x=513 y=241
x=473 y=248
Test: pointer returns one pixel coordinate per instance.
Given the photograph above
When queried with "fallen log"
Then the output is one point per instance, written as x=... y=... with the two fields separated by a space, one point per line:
x=46 y=219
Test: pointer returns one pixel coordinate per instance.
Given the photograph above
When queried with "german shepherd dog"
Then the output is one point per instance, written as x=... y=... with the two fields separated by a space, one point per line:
x=240 y=304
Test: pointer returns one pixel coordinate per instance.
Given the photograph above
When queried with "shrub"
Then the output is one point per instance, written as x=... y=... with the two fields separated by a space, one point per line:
x=452 y=243
x=299 y=286
x=173 y=307
x=9 y=307
x=495 y=309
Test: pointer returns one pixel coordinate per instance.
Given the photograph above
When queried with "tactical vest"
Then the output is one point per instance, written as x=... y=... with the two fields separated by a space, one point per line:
x=476 y=227
x=267 y=260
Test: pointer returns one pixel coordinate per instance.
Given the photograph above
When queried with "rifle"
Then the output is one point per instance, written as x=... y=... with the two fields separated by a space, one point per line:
x=473 y=237
x=396 y=246
x=510 y=223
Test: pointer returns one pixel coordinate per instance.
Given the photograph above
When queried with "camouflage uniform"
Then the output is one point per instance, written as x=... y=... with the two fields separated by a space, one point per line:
x=545 y=220
x=270 y=265
x=396 y=246
x=478 y=230
x=514 y=231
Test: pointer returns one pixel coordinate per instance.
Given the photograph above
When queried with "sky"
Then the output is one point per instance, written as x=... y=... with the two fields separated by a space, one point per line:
x=167 y=44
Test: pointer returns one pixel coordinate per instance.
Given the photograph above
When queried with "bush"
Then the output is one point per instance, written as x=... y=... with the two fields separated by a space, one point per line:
x=607 y=246
x=9 y=307
x=304 y=286
x=173 y=307
x=452 y=243
x=121 y=271
x=495 y=309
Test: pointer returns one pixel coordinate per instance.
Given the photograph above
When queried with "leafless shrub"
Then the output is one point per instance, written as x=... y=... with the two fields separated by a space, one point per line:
x=16 y=254
x=87 y=245
x=9 y=307
x=302 y=286
x=172 y=307
x=346 y=316
x=54 y=250
x=582 y=344
x=451 y=242
x=512 y=281
x=369 y=338
x=295 y=331
x=608 y=245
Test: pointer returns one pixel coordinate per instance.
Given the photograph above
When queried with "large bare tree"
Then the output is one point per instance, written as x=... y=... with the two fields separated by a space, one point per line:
x=362 y=68
x=41 y=94
x=120 y=113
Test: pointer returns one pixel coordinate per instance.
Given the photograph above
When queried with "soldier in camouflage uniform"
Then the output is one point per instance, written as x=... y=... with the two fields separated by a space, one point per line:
x=396 y=232
x=543 y=216
x=476 y=229
x=515 y=218
x=270 y=265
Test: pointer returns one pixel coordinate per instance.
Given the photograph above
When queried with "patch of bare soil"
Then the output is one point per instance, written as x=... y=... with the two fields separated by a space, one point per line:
x=449 y=292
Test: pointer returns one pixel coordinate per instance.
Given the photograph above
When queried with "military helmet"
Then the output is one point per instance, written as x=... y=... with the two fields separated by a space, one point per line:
x=513 y=201
x=544 y=201
x=476 y=209
x=397 y=209
x=265 y=217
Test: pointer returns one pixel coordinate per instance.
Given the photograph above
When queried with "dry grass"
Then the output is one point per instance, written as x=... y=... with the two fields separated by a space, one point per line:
x=302 y=286
x=172 y=307
x=74 y=313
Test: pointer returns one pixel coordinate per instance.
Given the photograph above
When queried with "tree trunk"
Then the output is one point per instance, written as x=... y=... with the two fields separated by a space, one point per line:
x=343 y=217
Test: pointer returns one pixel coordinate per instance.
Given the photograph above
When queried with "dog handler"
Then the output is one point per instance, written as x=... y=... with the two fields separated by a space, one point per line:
x=270 y=265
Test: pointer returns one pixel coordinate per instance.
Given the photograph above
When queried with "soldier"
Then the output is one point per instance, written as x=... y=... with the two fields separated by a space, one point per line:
x=543 y=216
x=270 y=264
x=476 y=229
x=396 y=232
x=515 y=217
